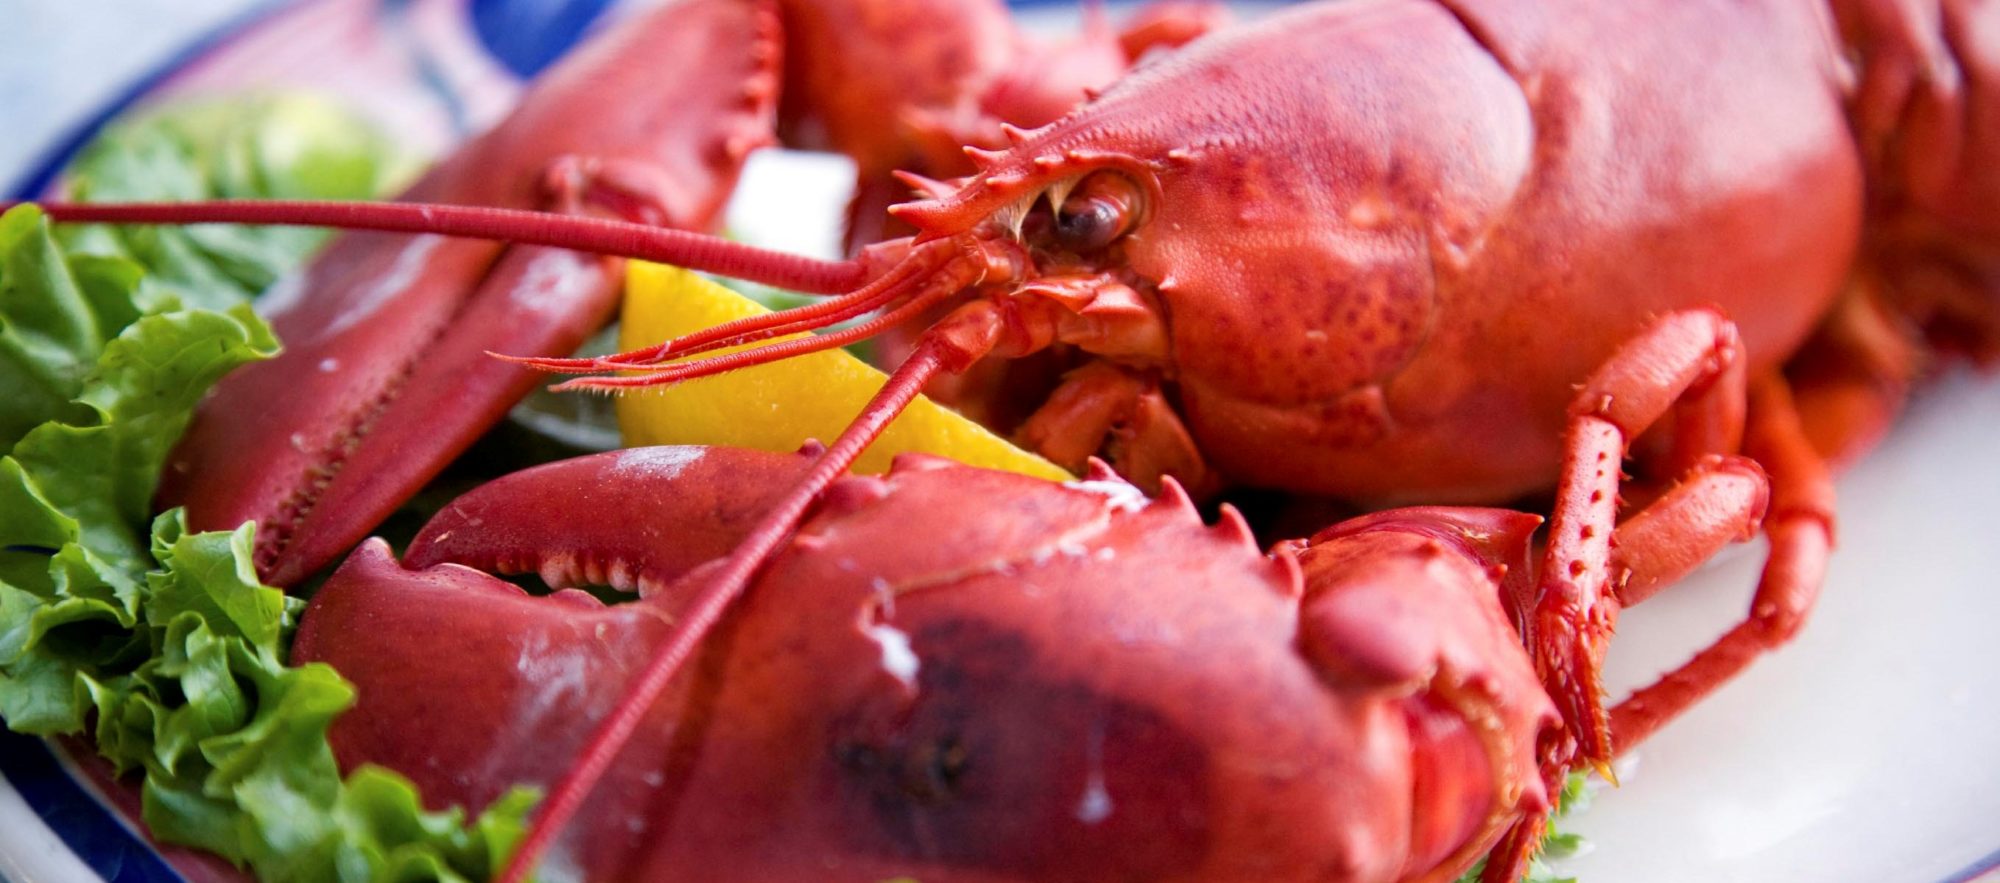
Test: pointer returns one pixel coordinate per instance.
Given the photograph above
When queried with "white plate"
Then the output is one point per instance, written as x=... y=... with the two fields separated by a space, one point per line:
x=1867 y=750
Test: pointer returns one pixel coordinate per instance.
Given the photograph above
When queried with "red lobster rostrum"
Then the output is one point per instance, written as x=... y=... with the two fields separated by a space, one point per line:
x=1365 y=248
x=1094 y=687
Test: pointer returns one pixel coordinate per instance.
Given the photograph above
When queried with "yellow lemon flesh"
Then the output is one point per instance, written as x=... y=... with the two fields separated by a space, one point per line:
x=776 y=407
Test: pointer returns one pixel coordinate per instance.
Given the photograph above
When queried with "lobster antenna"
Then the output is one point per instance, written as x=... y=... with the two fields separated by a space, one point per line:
x=763 y=355
x=885 y=289
x=951 y=345
x=694 y=251
x=932 y=287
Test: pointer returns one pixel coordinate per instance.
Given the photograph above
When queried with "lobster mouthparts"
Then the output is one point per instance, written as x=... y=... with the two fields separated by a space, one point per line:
x=385 y=375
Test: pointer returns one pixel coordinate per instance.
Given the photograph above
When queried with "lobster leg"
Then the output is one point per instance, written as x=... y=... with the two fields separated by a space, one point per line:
x=1593 y=569
x=1800 y=529
x=1921 y=111
x=1167 y=24
x=1720 y=502
x=1101 y=401
x=1688 y=359
x=1691 y=364
x=1852 y=376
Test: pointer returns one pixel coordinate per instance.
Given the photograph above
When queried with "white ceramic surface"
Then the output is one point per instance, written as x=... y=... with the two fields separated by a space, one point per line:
x=1869 y=749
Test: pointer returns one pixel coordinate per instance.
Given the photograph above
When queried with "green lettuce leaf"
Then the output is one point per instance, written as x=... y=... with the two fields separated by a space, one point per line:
x=100 y=467
x=50 y=332
x=1556 y=844
x=280 y=146
x=162 y=643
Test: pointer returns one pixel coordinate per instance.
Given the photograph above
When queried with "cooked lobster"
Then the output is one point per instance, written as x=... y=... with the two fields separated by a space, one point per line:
x=1091 y=686
x=1527 y=176
x=1096 y=687
x=1263 y=275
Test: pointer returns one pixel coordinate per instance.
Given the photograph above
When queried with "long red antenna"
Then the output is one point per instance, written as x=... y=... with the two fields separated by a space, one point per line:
x=595 y=235
x=935 y=276
x=737 y=332
x=763 y=355
x=951 y=345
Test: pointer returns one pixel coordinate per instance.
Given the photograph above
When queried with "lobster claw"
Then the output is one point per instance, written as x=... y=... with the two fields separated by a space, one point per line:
x=513 y=673
x=634 y=519
x=385 y=375
x=1415 y=603
x=946 y=670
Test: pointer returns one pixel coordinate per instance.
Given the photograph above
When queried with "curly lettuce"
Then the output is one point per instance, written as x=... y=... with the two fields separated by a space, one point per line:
x=1555 y=844
x=161 y=643
x=280 y=146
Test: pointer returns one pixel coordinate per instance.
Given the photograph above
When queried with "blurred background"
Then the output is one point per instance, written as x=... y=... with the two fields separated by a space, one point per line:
x=61 y=60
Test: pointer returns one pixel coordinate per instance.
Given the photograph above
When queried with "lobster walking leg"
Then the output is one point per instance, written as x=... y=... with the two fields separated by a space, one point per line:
x=1720 y=501
x=1694 y=354
x=1852 y=376
x=1165 y=24
x=1101 y=407
x=1584 y=582
x=1922 y=112
x=1692 y=364
x=1800 y=528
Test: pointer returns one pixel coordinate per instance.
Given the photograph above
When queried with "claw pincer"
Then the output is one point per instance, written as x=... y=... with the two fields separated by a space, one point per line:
x=1093 y=687
x=384 y=377
x=963 y=674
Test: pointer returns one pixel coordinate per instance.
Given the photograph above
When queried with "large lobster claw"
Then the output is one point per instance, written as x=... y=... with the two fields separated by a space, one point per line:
x=951 y=674
x=514 y=670
x=385 y=376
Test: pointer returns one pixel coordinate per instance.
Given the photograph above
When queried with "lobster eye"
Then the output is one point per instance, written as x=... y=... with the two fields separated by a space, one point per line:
x=1103 y=207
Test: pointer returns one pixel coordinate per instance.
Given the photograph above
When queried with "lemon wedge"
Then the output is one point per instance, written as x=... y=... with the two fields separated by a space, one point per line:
x=776 y=407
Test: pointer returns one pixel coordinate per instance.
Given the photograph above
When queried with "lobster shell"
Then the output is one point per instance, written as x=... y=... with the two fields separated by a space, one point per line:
x=1340 y=282
x=1052 y=683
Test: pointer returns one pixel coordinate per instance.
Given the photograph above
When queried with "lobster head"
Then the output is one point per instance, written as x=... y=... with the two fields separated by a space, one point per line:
x=1294 y=240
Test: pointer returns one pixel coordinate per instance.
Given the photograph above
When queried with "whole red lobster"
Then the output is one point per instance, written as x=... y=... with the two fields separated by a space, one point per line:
x=1095 y=687
x=1326 y=250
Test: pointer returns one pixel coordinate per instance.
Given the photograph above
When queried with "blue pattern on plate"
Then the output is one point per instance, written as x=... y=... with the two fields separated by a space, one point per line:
x=526 y=35
x=90 y=829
